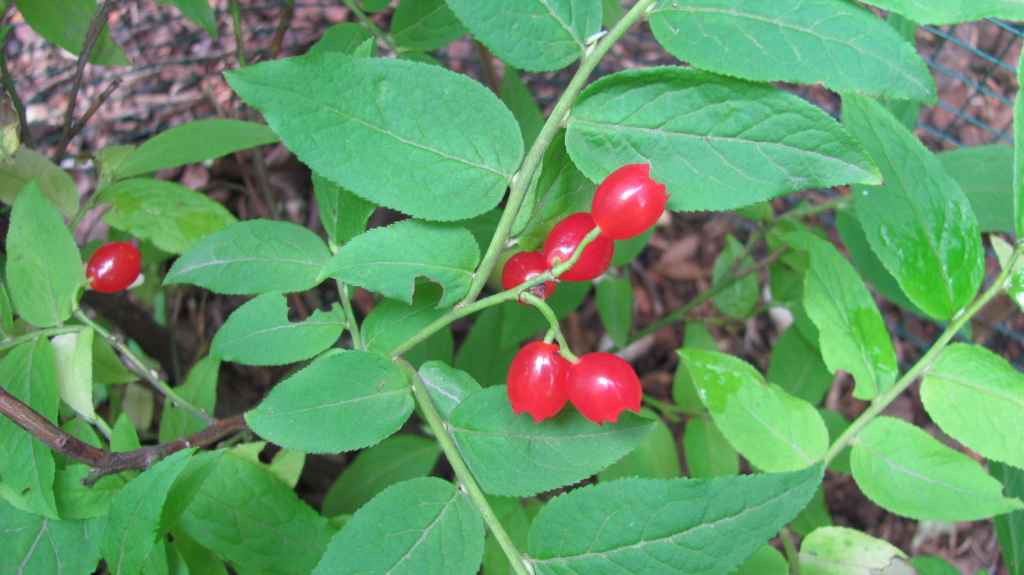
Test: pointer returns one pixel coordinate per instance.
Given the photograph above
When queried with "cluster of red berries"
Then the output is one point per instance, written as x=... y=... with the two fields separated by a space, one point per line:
x=113 y=267
x=600 y=385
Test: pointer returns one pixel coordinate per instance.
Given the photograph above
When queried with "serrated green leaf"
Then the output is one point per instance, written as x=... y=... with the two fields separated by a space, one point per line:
x=200 y=560
x=374 y=5
x=423 y=526
x=717 y=143
x=69 y=547
x=66 y=24
x=1010 y=526
x=390 y=323
x=851 y=331
x=253 y=257
x=765 y=561
x=134 y=520
x=394 y=460
x=932 y=565
x=28 y=372
x=919 y=223
x=655 y=458
x=977 y=397
x=344 y=37
x=511 y=455
x=832 y=42
x=199 y=12
x=514 y=93
x=26 y=165
x=343 y=214
x=612 y=12
x=908 y=472
x=174 y=218
x=985 y=174
x=708 y=452
x=738 y=300
x=44 y=269
x=388 y=260
x=75 y=500
x=844 y=551
x=73 y=356
x=678 y=526
x=259 y=333
x=194 y=142
x=106 y=365
x=424 y=25
x=867 y=263
x=531 y=35
x=343 y=400
x=446 y=386
x=772 y=429
x=952 y=11
x=200 y=389
x=695 y=336
x=249 y=517
x=796 y=366
x=453 y=165
x=615 y=307
x=813 y=516
x=124 y=437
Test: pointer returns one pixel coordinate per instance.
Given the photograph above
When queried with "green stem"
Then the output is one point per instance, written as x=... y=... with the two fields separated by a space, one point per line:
x=791 y=553
x=836 y=203
x=521 y=180
x=350 y=317
x=370 y=25
x=668 y=410
x=8 y=343
x=882 y=401
x=236 y=21
x=142 y=370
x=549 y=314
x=465 y=476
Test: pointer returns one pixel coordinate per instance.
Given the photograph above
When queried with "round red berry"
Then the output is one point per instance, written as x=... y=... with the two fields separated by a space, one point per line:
x=567 y=234
x=628 y=202
x=113 y=267
x=536 y=380
x=523 y=267
x=602 y=385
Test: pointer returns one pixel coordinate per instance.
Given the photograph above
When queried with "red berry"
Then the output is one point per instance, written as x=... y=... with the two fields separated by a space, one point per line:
x=602 y=385
x=525 y=266
x=536 y=380
x=628 y=202
x=566 y=236
x=113 y=267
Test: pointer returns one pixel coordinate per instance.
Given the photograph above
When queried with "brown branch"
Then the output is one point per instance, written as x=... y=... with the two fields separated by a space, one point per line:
x=80 y=124
x=487 y=67
x=99 y=21
x=282 y=26
x=12 y=93
x=105 y=462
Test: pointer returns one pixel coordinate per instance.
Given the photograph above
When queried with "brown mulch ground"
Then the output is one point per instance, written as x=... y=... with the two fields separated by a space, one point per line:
x=176 y=76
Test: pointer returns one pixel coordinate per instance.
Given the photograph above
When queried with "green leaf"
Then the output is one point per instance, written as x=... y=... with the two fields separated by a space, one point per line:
x=106 y=365
x=514 y=93
x=35 y=544
x=199 y=12
x=200 y=561
x=390 y=323
x=867 y=263
x=774 y=430
x=343 y=214
x=6 y=313
x=615 y=307
x=684 y=393
x=66 y=24
x=454 y=165
x=249 y=517
x=765 y=561
x=388 y=260
x=133 y=525
x=529 y=35
x=851 y=331
x=73 y=353
x=655 y=458
x=194 y=142
x=422 y=526
x=985 y=174
x=796 y=366
x=1018 y=156
x=717 y=143
x=253 y=257
x=75 y=500
x=696 y=527
x=844 y=551
x=908 y=472
x=832 y=42
x=977 y=397
x=374 y=5
x=511 y=455
x=344 y=400
x=446 y=386
x=27 y=165
x=124 y=437
x=837 y=424
x=28 y=373
x=396 y=459
x=44 y=269
x=515 y=518
x=424 y=25
x=952 y=11
x=170 y=215
x=1014 y=285
x=345 y=38
x=200 y=388
x=813 y=516
x=919 y=223
x=627 y=250
x=1010 y=526
x=708 y=452
x=560 y=190
x=932 y=565
x=259 y=333
x=613 y=12
x=739 y=300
